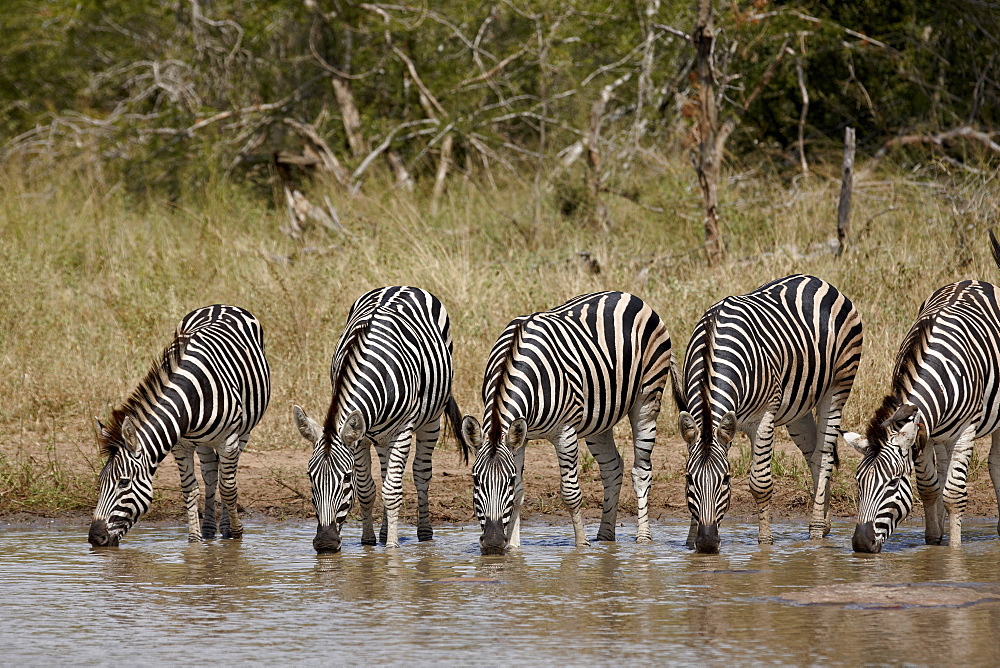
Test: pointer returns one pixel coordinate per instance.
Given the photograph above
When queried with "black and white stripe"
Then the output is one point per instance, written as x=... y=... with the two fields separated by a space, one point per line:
x=209 y=389
x=391 y=376
x=757 y=361
x=565 y=374
x=945 y=394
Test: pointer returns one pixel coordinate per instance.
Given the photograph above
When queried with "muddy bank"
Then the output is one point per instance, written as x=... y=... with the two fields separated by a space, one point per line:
x=273 y=484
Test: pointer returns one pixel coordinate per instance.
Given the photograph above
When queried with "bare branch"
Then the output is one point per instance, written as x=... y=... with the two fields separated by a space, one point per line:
x=963 y=132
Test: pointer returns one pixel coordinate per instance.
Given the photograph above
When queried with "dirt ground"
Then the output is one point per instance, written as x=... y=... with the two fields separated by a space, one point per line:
x=273 y=484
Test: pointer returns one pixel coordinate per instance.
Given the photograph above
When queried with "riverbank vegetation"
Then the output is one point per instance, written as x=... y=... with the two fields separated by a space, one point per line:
x=92 y=282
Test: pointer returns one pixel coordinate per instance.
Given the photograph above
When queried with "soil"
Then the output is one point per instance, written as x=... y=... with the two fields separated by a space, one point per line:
x=273 y=484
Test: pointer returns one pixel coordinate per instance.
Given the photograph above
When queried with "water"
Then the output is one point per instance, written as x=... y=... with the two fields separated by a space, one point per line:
x=270 y=598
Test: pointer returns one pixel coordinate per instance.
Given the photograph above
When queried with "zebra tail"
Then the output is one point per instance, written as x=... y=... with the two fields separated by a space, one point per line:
x=996 y=248
x=455 y=419
x=675 y=383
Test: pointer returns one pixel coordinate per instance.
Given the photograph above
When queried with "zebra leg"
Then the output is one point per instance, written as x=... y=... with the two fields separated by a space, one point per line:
x=366 y=489
x=828 y=412
x=643 y=420
x=803 y=435
x=956 y=495
x=183 y=455
x=427 y=437
x=602 y=446
x=383 y=458
x=514 y=540
x=692 y=534
x=229 y=458
x=209 y=459
x=392 y=485
x=994 y=465
x=929 y=489
x=567 y=452
x=761 y=484
x=942 y=458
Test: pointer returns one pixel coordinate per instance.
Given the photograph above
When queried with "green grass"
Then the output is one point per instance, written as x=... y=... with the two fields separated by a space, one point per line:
x=92 y=284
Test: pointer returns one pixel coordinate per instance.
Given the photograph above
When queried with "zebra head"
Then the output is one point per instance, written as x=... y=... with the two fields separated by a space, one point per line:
x=885 y=496
x=494 y=479
x=708 y=486
x=125 y=485
x=331 y=473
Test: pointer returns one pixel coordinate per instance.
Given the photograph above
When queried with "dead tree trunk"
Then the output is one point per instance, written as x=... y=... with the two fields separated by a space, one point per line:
x=804 y=92
x=846 y=186
x=709 y=158
x=442 y=172
x=592 y=141
x=403 y=178
x=351 y=117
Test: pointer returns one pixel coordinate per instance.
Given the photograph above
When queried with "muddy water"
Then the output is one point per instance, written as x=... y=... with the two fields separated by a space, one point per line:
x=270 y=599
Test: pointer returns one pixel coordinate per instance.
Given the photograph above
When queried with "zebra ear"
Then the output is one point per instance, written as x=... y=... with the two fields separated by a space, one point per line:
x=688 y=427
x=907 y=435
x=354 y=428
x=902 y=415
x=100 y=430
x=472 y=432
x=306 y=425
x=856 y=441
x=129 y=434
x=726 y=430
x=517 y=434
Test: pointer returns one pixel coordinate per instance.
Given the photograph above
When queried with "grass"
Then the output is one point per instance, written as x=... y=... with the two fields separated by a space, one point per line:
x=93 y=284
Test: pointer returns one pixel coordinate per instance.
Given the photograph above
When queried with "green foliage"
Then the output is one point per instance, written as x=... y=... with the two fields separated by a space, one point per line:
x=171 y=96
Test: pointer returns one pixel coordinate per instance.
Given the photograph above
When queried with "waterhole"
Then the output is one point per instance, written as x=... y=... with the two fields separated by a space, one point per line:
x=270 y=598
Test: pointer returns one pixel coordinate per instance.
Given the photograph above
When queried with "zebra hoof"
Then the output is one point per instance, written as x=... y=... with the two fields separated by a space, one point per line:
x=601 y=536
x=368 y=540
x=194 y=538
x=933 y=540
x=425 y=534
x=765 y=540
x=645 y=538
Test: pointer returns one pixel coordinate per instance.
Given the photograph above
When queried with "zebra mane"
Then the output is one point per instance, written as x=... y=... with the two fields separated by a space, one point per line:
x=877 y=433
x=908 y=356
x=704 y=384
x=330 y=424
x=109 y=439
x=910 y=350
x=494 y=415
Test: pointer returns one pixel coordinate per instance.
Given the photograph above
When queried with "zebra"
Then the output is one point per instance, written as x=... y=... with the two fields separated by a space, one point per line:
x=945 y=393
x=756 y=361
x=569 y=373
x=391 y=377
x=206 y=393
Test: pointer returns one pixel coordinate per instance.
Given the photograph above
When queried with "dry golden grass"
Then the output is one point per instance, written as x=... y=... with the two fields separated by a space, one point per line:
x=92 y=284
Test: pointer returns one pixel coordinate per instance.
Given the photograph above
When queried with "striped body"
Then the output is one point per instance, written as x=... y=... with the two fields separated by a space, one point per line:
x=757 y=361
x=206 y=394
x=565 y=374
x=391 y=376
x=945 y=393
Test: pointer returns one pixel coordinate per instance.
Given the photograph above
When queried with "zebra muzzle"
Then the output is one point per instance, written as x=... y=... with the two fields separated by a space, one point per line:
x=494 y=538
x=99 y=536
x=327 y=539
x=707 y=540
x=864 y=539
